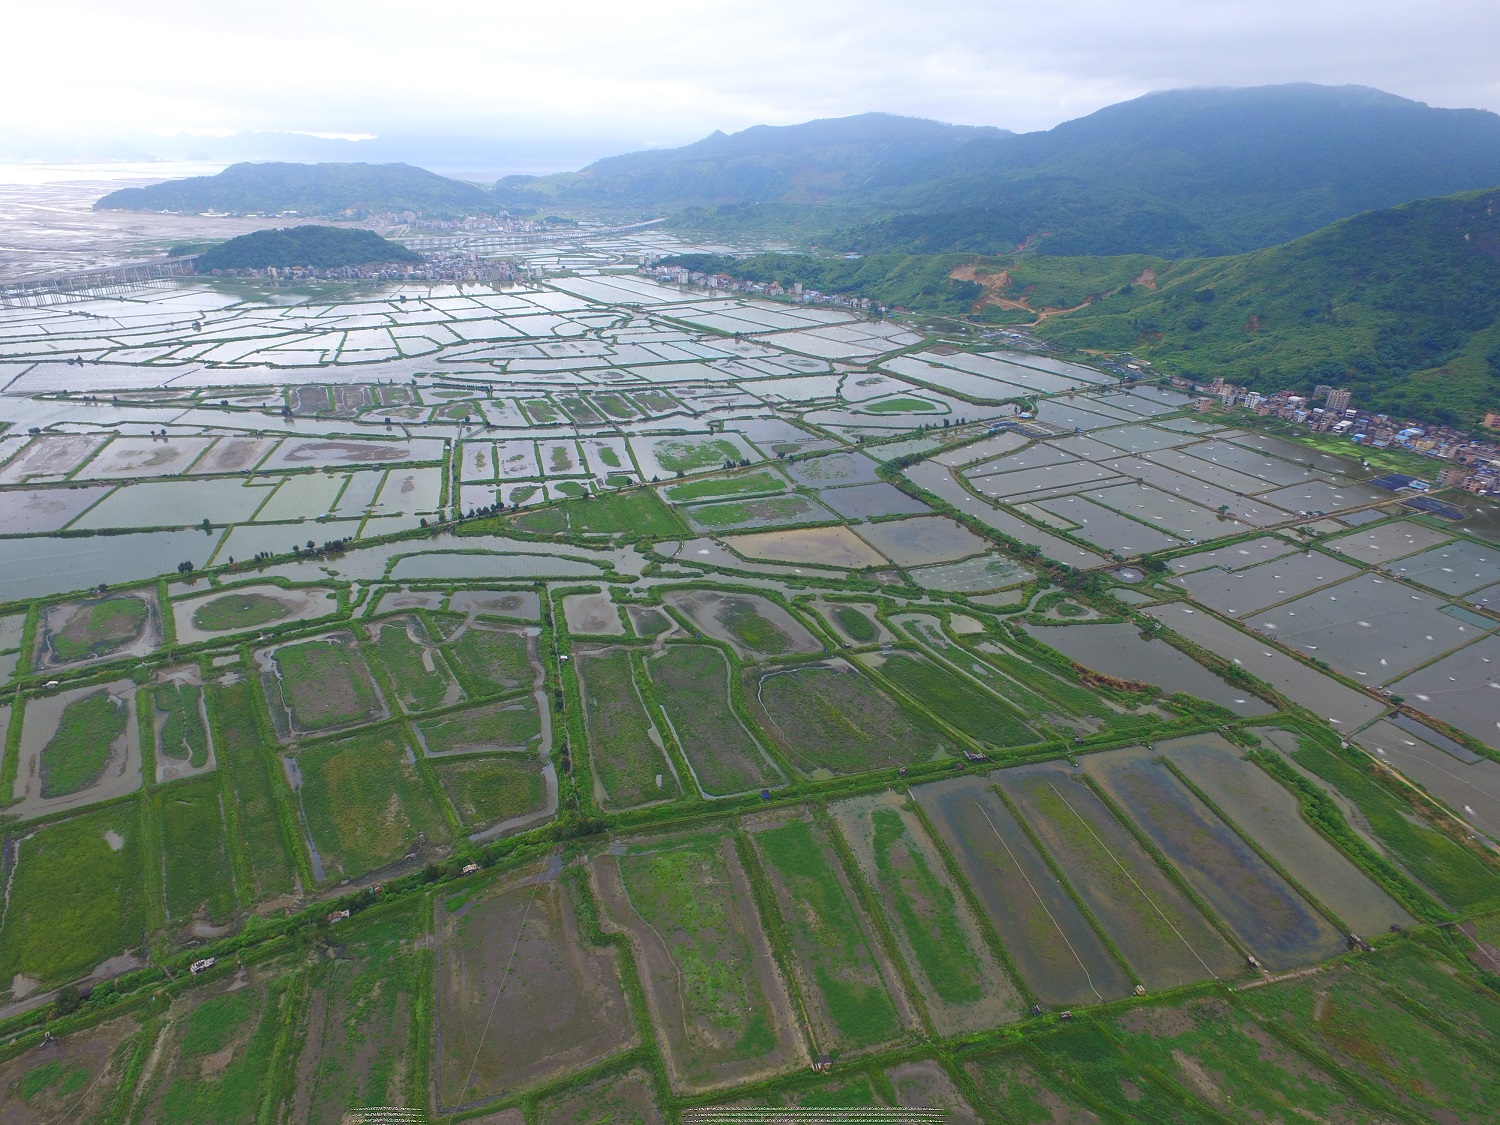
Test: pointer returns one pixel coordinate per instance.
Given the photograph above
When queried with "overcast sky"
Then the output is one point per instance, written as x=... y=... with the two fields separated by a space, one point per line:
x=667 y=72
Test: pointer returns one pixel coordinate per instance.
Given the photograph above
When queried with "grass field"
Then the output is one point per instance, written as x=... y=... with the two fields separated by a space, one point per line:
x=926 y=909
x=1086 y=1059
x=239 y=611
x=747 y=625
x=623 y=1098
x=831 y=720
x=77 y=753
x=247 y=765
x=833 y=946
x=693 y=683
x=421 y=677
x=76 y=1078
x=961 y=704
x=520 y=951
x=513 y=725
x=324 y=683
x=99 y=627
x=365 y=803
x=195 y=850
x=761 y=481
x=858 y=627
x=964 y=987
x=496 y=660
x=1365 y=1020
x=627 y=760
x=685 y=456
x=183 y=736
x=638 y=512
x=485 y=791
x=1221 y=1054
x=362 y=1027
x=75 y=896
x=219 y=1057
x=1442 y=864
x=719 y=1004
x=764 y=511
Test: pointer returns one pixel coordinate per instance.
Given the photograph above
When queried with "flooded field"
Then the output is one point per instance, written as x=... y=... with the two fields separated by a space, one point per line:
x=1118 y=650
x=1267 y=916
x=1057 y=953
x=571 y=636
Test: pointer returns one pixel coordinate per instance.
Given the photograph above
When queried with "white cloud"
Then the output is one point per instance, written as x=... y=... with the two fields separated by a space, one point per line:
x=675 y=70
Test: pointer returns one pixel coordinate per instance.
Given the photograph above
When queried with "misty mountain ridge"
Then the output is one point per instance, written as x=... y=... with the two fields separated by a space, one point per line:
x=329 y=190
x=1179 y=173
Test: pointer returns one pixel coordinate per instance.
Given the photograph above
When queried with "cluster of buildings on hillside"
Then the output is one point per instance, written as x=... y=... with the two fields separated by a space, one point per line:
x=679 y=276
x=1476 y=462
x=435 y=267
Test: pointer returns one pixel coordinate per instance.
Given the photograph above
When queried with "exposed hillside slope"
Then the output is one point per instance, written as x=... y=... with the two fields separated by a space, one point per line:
x=309 y=189
x=319 y=247
x=1401 y=305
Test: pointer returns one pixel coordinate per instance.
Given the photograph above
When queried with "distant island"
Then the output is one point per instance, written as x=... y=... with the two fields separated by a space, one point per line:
x=324 y=190
x=314 y=247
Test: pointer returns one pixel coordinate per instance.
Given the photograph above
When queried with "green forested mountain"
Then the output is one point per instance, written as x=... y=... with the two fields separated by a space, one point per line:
x=1177 y=174
x=318 y=247
x=1190 y=173
x=826 y=165
x=1400 y=305
x=309 y=189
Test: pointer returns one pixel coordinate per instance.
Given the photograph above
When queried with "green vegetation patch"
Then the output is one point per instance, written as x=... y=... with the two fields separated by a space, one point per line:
x=513 y=725
x=693 y=683
x=324 y=683
x=1436 y=860
x=1364 y=1020
x=686 y=455
x=218 y=1064
x=926 y=910
x=1253 y=1073
x=240 y=611
x=627 y=761
x=75 y=896
x=365 y=802
x=856 y=625
x=99 y=627
x=688 y=889
x=766 y=511
x=638 y=512
x=420 y=675
x=76 y=755
x=751 y=628
x=900 y=404
x=761 y=481
x=363 y=1025
x=195 y=850
x=55 y=1080
x=1091 y=1064
x=494 y=661
x=831 y=720
x=249 y=768
x=183 y=735
x=830 y=940
x=963 y=705
x=486 y=791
